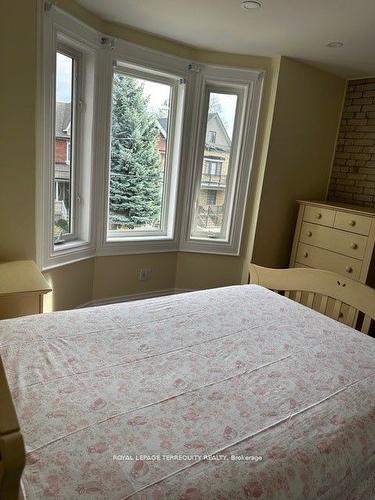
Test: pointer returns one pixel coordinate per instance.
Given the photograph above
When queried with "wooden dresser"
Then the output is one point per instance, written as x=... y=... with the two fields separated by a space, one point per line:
x=335 y=237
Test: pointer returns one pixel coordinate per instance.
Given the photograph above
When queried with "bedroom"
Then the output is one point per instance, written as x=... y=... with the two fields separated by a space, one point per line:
x=296 y=116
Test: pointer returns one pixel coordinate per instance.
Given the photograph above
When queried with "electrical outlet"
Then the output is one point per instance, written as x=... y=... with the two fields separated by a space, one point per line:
x=144 y=274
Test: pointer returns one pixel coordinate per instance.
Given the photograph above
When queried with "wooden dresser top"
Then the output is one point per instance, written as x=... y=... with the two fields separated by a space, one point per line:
x=340 y=206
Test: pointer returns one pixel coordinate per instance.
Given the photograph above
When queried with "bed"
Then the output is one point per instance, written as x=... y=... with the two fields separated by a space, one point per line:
x=230 y=393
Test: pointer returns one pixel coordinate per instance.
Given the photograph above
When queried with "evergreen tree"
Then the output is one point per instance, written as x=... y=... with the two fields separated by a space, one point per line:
x=135 y=182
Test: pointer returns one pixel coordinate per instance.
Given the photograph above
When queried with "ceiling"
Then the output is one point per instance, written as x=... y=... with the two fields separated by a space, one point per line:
x=296 y=28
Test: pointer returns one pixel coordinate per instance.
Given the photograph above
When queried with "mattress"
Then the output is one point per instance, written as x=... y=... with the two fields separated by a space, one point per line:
x=229 y=393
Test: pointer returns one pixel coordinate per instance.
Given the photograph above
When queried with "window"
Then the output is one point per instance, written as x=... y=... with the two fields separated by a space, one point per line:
x=212 y=167
x=64 y=169
x=68 y=152
x=114 y=131
x=211 y=197
x=211 y=136
x=216 y=223
x=220 y=160
x=66 y=148
x=143 y=166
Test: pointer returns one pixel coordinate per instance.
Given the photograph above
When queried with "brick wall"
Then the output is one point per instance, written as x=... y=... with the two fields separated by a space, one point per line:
x=60 y=151
x=353 y=173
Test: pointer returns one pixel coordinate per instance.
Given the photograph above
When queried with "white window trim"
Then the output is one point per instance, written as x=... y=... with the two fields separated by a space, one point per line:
x=57 y=28
x=172 y=161
x=105 y=51
x=131 y=56
x=74 y=214
x=252 y=82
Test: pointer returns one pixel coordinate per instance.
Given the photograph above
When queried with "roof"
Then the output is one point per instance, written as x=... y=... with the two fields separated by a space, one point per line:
x=163 y=125
x=218 y=147
x=63 y=119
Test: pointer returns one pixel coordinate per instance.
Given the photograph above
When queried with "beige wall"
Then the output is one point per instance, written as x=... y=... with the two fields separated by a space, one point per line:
x=117 y=276
x=305 y=97
x=304 y=129
x=17 y=129
x=72 y=285
x=196 y=271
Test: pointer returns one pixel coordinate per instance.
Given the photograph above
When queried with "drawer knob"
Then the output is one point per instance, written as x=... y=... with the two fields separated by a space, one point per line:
x=341 y=315
x=318 y=215
x=349 y=269
x=354 y=246
x=306 y=254
x=352 y=223
x=309 y=233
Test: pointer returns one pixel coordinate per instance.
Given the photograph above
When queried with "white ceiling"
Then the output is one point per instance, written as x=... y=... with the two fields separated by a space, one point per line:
x=294 y=28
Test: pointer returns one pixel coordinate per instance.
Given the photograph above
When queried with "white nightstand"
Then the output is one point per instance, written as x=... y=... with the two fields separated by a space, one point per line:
x=22 y=279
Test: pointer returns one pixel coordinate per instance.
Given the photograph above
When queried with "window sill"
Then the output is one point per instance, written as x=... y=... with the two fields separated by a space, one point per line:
x=210 y=246
x=73 y=252
x=68 y=253
x=68 y=246
x=137 y=245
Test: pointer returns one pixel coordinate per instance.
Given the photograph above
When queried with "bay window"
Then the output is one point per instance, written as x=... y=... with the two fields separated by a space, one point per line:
x=140 y=151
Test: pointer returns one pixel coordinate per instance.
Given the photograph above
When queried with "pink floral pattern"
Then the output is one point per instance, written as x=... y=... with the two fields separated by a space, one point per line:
x=216 y=375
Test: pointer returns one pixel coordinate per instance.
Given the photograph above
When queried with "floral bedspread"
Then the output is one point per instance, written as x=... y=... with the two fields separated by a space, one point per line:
x=222 y=394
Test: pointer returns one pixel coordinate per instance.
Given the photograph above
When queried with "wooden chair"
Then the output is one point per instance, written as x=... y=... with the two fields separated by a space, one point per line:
x=318 y=288
x=12 y=451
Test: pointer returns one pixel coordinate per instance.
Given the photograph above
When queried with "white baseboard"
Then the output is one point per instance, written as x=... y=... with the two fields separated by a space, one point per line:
x=133 y=296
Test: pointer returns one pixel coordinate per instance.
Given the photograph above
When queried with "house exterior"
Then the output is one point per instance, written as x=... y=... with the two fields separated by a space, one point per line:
x=214 y=175
x=214 y=172
x=62 y=161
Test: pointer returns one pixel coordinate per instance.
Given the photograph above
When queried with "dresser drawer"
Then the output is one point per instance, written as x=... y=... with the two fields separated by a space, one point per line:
x=353 y=223
x=320 y=258
x=319 y=215
x=353 y=245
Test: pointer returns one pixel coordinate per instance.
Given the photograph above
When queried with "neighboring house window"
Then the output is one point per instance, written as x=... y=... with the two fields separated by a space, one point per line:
x=211 y=137
x=211 y=197
x=68 y=152
x=212 y=167
x=143 y=161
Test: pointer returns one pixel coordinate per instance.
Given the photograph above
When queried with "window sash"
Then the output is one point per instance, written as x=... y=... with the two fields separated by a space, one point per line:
x=167 y=206
x=233 y=164
x=67 y=50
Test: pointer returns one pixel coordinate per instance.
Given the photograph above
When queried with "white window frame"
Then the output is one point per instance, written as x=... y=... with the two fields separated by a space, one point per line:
x=61 y=32
x=171 y=168
x=74 y=215
x=145 y=63
x=247 y=85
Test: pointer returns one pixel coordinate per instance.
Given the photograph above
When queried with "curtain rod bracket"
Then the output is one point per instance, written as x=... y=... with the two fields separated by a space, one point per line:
x=48 y=4
x=108 y=42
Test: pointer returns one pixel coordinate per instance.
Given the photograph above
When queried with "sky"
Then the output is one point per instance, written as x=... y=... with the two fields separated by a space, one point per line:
x=158 y=93
x=227 y=103
x=63 y=78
